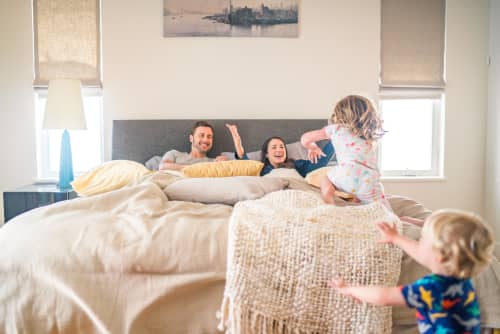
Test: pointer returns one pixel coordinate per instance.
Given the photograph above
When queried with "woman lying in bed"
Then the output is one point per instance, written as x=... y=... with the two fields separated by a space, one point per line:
x=274 y=154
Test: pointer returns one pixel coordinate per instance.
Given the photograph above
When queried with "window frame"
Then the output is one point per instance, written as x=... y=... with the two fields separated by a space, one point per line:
x=438 y=130
x=43 y=137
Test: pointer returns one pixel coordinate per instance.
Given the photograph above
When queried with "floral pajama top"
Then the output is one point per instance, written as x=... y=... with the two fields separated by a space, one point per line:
x=357 y=171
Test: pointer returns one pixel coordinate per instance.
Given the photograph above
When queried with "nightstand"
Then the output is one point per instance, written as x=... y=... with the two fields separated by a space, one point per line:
x=33 y=196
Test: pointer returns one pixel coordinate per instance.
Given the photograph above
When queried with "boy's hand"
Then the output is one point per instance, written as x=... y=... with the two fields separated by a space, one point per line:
x=339 y=285
x=389 y=233
x=314 y=153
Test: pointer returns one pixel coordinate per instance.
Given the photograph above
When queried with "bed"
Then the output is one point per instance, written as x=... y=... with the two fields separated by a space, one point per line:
x=138 y=260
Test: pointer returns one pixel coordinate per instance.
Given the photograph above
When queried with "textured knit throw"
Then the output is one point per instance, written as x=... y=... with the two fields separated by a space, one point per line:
x=282 y=251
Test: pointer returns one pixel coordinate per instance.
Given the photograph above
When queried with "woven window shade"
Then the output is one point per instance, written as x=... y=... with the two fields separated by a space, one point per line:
x=412 y=43
x=67 y=41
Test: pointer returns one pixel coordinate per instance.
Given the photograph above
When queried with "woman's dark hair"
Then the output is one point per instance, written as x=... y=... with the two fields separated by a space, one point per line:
x=289 y=163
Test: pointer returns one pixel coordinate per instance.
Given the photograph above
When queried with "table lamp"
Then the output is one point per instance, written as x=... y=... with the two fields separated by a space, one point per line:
x=64 y=110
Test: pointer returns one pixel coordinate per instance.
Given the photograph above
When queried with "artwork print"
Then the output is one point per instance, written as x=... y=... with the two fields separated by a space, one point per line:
x=230 y=18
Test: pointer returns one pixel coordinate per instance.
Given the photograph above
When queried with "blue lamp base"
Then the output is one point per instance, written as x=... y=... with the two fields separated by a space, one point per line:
x=66 y=162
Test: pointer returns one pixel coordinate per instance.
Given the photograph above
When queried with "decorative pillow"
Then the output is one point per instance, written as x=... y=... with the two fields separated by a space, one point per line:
x=109 y=176
x=224 y=168
x=223 y=190
x=314 y=178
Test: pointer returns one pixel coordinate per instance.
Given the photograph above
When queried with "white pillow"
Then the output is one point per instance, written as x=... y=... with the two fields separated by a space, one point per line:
x=225 y=190
x=295 y=151
x=290 y=173
x=153 y=163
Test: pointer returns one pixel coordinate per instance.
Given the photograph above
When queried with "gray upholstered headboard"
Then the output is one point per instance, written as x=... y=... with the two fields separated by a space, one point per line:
x=139 y=140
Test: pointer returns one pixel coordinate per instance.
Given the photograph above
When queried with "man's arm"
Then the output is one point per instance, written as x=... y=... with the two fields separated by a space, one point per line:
x=170 y=165
x=168 y=161
x=376 y=295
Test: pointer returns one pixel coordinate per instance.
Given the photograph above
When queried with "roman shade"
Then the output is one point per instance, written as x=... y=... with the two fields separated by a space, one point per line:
x=412 y=43
x=67 y=41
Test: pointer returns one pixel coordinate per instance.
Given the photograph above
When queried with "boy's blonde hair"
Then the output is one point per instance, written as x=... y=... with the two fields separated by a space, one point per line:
x=462 y=238
x=358 y=115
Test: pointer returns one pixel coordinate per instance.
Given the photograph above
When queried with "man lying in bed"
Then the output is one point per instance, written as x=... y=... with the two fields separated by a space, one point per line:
x=201 y=138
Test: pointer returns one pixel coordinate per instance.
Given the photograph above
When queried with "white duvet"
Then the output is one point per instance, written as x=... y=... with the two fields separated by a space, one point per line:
x=131 y=261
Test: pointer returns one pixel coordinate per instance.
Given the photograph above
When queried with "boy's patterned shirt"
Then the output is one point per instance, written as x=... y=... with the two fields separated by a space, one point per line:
x=444 y=304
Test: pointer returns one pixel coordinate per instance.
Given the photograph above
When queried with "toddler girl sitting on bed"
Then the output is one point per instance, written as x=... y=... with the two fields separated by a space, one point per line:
x=353 y=130
x=454 y=246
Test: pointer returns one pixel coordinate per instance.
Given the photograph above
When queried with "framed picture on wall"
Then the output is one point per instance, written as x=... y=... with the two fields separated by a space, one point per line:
x=230 y=18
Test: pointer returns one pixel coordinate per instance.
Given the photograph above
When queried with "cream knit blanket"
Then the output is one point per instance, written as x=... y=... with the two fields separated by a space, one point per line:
x=282 y=251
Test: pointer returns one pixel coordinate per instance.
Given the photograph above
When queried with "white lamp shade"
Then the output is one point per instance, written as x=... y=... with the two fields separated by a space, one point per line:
x=64 y=109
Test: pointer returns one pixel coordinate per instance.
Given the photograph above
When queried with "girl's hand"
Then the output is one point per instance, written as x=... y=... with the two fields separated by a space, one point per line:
x=314 y=153
x=389 y=233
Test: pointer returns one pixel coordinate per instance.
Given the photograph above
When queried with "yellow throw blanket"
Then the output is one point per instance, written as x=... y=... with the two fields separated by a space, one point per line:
x=282 y=251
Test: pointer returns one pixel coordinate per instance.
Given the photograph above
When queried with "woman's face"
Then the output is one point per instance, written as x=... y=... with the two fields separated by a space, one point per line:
x=276 y=152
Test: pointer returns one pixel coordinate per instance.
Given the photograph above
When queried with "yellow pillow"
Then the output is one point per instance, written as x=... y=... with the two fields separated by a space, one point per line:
x=314 y=178
x=109 y=176
x=224 y=168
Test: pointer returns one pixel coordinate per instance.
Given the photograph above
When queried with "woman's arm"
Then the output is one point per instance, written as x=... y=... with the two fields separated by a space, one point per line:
x=238 y=146
x=166 y=164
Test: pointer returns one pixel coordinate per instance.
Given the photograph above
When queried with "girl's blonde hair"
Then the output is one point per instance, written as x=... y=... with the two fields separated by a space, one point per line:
x=464 y=241
x=357 y=114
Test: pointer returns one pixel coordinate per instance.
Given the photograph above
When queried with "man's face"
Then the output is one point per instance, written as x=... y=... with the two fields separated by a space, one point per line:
x=202 y=139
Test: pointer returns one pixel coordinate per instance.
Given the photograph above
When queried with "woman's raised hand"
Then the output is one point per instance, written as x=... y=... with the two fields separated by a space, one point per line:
x=238 y=146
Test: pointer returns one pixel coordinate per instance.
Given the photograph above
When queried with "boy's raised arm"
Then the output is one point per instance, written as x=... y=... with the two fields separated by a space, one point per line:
x=409 y=246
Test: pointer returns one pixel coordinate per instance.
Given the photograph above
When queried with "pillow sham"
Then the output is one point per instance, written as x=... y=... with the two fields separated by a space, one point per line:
x=224 y=168
x=153 y=163
x=229 y=190
x=295 y=151
x=290 y=173
x=109 y=176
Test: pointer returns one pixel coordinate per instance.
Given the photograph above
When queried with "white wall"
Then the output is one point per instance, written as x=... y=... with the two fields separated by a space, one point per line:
x=337 y=53
x=17 y=118
x=493 y=139
x=147 y=76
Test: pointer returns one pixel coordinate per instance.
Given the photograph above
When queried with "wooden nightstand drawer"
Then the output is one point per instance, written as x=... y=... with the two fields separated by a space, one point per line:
x=33 y=196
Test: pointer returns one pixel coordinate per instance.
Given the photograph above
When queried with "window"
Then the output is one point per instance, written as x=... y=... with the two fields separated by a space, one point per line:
x=86 y=145
x=413 y=144
x=412 y=81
